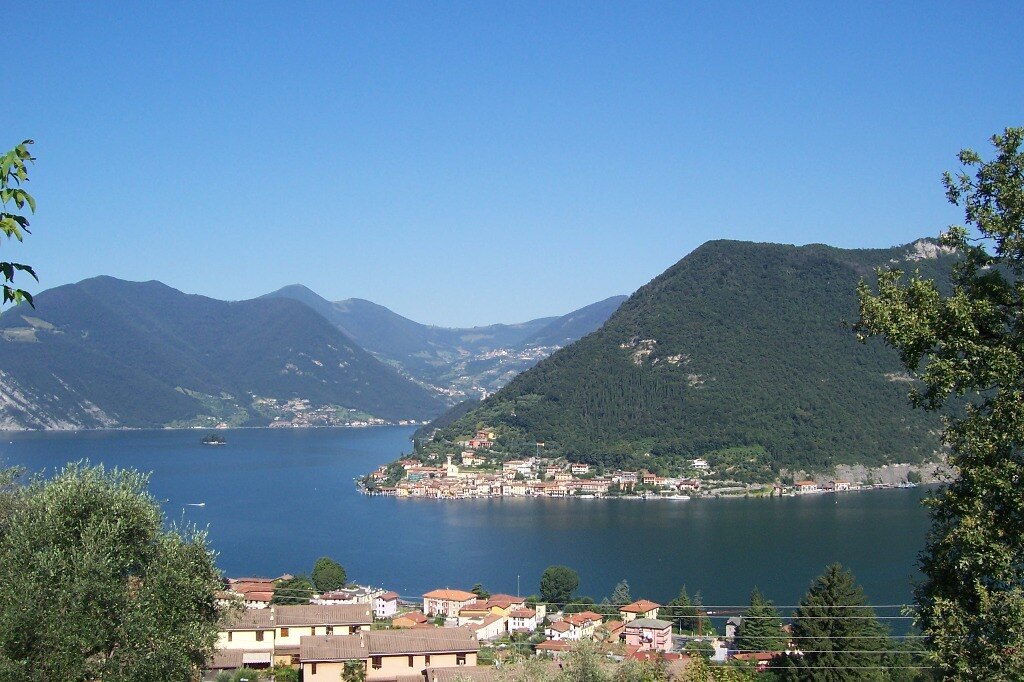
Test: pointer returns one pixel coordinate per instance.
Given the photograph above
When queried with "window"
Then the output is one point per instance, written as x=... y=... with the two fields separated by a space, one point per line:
x=376 y=662
x=312 y=668
x=426 y=660
x=229 y=635
x=259 y=635
x=411 y=661
x=312 y=630
x=284 y=632
x=330 y=629
x=460 y=659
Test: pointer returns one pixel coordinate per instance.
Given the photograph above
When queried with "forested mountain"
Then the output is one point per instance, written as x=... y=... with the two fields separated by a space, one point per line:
x=462 y=362
x=738 y=345
x=105 y=352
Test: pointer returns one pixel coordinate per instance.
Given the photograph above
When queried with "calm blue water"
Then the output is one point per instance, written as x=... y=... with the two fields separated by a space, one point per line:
x=278 y=499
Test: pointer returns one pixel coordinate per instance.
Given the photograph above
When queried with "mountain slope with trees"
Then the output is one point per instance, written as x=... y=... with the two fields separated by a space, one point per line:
x=105 y=352
x=464 y=362
x=738 y=348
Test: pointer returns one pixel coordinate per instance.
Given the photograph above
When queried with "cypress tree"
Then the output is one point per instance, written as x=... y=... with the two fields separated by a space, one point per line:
x=762 y=626
x=837 y=631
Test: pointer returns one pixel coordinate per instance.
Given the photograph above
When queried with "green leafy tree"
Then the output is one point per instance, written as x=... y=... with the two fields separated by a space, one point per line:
x=837 y=631
x=581 y=604
x=296 y=590
x=620 y=595
x=557 y=584
x=14 y=174
x=762 y=626
x=284 y=673
x=584 y=663
x=328 y=574
x=96 y=587
x=970 y=343
x=480 y=592
x=354 y=671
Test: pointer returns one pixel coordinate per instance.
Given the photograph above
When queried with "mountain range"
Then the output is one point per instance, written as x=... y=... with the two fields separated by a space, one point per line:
x=739 y=351
x=461 y=363
x=106 y=353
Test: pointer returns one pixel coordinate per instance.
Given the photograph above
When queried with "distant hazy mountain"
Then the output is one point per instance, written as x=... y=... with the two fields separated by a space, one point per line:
x=738 y=345
x=105 y=352
x=564 y=330
x=462 y=362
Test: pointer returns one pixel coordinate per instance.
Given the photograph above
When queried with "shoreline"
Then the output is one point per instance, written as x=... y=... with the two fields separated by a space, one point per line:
x=657 y=498
x=120 y=429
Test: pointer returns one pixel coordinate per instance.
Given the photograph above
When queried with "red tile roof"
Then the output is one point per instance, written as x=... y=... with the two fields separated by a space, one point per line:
x=640 y=606
x=450 y=595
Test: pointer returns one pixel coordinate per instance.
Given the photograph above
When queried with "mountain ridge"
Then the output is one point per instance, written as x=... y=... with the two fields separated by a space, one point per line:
x=737 y=345
x=461 y=361
x=105 y=352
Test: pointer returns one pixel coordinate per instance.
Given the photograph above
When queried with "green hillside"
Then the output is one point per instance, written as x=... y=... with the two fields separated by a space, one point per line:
x=105 y=352
x=737 y=345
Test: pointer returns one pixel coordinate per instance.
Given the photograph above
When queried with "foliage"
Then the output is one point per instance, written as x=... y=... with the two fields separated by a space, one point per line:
x=557 y=584
x=762 y=626
x=96 y=588
x=684 y=616
x=838 y=632
x=631 y=670
x=700 y=648
x=698 y=670
x=697 y=362
x=353 y=671
x=328 y=575
x=480 y=592
x=13 y=174
x=584 y=663
x=249 y=674
x=621 y=595
x=971 y=343
x=295 y=590
x=284 y=673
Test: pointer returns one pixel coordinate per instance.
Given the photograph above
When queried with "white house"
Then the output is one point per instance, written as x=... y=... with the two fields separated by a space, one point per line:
x=385 y=605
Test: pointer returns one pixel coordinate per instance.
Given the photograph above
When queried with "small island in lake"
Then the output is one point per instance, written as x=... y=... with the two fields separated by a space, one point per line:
x=213 y=439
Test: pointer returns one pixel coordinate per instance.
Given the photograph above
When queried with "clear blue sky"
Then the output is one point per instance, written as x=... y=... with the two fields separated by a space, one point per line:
x=474 y=162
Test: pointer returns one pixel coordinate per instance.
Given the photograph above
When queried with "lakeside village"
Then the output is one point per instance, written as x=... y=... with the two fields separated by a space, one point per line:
x=483 y=473
x=449 y=634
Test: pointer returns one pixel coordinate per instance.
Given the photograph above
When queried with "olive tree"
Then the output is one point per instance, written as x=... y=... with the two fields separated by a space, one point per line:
x=97 y=587
x=969 y=344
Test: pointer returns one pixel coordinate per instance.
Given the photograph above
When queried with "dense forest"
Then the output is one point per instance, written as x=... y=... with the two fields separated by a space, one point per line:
x=738 y=345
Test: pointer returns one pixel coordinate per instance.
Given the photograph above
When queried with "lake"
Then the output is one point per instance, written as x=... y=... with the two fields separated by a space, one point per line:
x=276 y=499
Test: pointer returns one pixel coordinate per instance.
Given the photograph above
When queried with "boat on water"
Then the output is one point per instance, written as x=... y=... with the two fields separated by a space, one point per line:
x=213 y=439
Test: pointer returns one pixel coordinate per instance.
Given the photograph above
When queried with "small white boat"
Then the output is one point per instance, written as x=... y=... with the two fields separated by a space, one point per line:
x=195 y=504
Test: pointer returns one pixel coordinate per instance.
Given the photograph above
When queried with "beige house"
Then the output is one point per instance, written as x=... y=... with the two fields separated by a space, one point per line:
x=292 y=623
x=387 y=654
x=446 y=602
x=246 y=638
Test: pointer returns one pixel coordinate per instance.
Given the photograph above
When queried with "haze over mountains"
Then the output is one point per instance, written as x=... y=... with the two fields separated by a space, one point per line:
x=461 y=363
x=110 y=353
x=740 y=351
